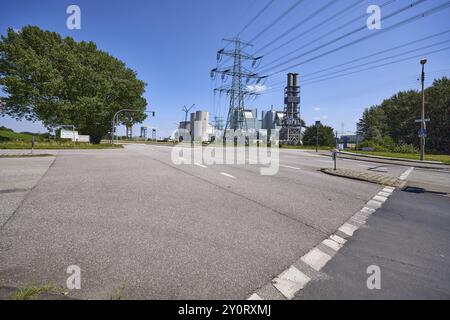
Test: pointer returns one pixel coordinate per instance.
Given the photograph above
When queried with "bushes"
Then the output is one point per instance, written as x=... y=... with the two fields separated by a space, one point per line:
x=406 y=148
x=386 y=144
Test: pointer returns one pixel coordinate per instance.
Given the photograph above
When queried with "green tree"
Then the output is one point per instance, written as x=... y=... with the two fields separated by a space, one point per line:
x=326 y=136
x=395 y=119
x=60 y=81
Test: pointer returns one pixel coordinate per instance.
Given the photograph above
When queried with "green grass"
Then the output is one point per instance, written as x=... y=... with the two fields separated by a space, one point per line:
x=285 y=146
x=413 y=156
x=53 y=145
x=28 y=292
x=25 y=155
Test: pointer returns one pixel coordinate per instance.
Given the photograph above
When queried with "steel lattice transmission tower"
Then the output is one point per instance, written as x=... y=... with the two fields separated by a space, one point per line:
x=237 y=91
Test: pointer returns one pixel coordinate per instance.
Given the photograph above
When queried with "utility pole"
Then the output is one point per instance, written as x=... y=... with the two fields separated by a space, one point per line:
x=422 y=133
x=317 y=135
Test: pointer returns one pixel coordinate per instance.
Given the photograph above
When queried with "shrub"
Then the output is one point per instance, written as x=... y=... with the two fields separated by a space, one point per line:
x=405 y=148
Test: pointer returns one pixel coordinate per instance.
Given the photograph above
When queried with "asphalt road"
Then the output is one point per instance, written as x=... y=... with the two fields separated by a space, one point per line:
x=408 y=239
x=137 y=223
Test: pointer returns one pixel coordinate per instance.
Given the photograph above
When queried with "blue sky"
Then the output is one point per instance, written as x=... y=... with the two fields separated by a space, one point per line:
x=172 y=45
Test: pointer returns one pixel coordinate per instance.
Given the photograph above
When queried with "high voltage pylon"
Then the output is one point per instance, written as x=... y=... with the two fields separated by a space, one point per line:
x=237 y=91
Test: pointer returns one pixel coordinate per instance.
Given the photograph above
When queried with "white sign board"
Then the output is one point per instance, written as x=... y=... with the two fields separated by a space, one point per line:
x=83 y=138
x=68 y=134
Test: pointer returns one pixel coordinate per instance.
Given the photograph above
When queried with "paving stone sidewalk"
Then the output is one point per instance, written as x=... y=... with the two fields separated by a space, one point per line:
x=366 y=176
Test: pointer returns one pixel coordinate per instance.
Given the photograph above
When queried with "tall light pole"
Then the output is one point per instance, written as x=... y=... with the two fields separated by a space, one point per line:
x=116 y=115
x=422 y=123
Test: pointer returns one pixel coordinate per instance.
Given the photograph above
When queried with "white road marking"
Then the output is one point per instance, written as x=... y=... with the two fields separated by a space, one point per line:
x=384 y=194
x=374 y=204
x=405 y=174
x=228 y=175
x=284 y=166
x=348 y=229
x=388 y=189
x=255 y=297
x=380 y=198
x=290 y=281
x=332 y=244
x=338 y=239
x=200 y=165
x=366 y=211
x=316 y=259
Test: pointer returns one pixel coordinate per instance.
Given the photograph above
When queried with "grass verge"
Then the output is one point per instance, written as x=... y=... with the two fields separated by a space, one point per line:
x=28 y=292
x=411 y=156
x=25 y=155
x=56 y=146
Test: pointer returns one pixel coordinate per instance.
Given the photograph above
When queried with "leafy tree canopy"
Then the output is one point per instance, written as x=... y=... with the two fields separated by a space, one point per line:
x=60 y=81
x=395 y=117
x=326 y=136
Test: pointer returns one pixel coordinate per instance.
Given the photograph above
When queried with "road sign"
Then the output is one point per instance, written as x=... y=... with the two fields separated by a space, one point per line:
x=422 y=133
x=318 y=124
x=420 y=120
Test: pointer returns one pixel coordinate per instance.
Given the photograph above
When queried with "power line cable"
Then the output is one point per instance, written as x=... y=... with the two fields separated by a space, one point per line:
x=321 y=24
x=410 y=6
x=380 y=65
x=278 y=19
x=399 y=24
x=378 y=60
x=256 y=17
x=378 y=53
x=289 y=31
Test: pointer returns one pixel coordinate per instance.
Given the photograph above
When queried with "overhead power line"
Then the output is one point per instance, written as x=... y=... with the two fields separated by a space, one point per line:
x=380 y=65
x=326 y=21
x=321 y=24
x=303 y=21
x=412 y=5
x=378 y=53
x=335 y=76
x=278 y=19
x=378 y=60
x=380 y=32
x=256 y=17
x=371 y=55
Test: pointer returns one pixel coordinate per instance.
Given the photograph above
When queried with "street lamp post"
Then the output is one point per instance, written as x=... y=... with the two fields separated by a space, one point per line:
x=116 y=115
x=422 y=123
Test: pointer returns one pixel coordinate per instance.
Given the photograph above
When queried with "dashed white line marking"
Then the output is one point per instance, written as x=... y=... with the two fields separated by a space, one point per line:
x=332 y=244
x=348 y=229
x=384 y=194
x=388 y=189
x=200 y=165
x=338 y=239
x=379 y=198
x=289 y=167
x=374 y=204
x=290 y=281
x=316 y=259
x=367 y=211
x=255 y=297
x=228 y=175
